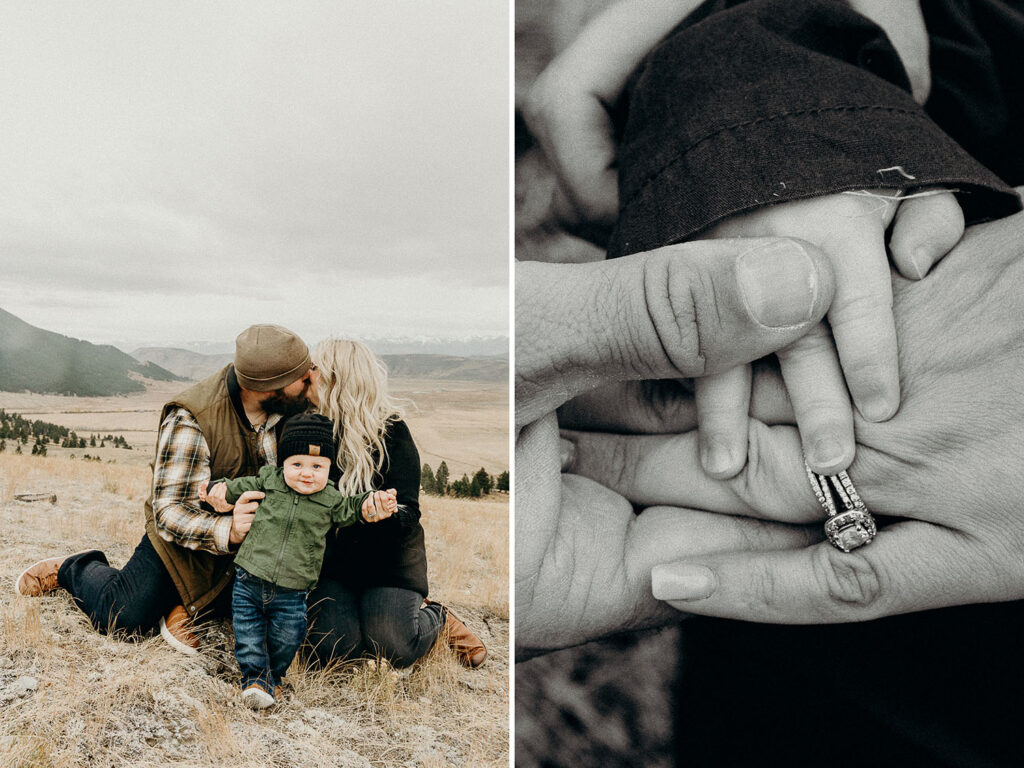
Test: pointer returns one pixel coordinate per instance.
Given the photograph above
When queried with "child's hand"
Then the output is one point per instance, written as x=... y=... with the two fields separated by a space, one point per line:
x=850 y=229
x=216 y=497
x=380 y=505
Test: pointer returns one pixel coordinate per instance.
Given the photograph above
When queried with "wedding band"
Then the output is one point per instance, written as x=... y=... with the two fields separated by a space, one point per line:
x=847 y=528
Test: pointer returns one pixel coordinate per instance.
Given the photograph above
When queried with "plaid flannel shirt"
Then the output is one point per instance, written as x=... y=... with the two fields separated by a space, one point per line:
x=182 y=464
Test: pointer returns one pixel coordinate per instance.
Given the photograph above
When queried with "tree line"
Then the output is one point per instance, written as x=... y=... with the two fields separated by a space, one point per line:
x=19 y=430
x=480 y=484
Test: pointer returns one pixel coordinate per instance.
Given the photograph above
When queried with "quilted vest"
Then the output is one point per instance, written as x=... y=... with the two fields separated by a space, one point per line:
x=200 y=576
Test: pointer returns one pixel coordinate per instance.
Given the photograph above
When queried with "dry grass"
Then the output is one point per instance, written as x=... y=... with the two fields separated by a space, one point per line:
x=107 y=702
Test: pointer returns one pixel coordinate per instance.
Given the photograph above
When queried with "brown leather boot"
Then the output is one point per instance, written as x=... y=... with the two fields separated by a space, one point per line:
x=467 y=646
x=40 y=578
x=176 y=629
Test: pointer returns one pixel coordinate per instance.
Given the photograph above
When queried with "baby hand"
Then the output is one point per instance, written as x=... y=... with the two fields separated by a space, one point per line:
x=862 y=365
x=380 y=505
x=216 y=497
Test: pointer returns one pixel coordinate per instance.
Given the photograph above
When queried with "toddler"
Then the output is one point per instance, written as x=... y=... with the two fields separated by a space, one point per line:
x=279 y=560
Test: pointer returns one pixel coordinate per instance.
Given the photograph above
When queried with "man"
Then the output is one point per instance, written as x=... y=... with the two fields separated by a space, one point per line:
x=225 y=426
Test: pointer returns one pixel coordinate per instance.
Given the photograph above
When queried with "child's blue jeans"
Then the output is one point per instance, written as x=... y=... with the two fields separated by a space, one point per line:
x=270 y=624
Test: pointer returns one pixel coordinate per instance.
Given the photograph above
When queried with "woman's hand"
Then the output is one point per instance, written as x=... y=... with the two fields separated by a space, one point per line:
x=379 y=505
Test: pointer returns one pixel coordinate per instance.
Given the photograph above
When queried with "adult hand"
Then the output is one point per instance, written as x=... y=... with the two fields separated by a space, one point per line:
x=583 y=557
x=944 y=472
x=242 y=515
x=566 y=109
x=379 y=505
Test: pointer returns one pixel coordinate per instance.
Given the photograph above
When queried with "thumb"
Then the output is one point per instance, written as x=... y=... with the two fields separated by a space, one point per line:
x=898 y=572
x=678 y=311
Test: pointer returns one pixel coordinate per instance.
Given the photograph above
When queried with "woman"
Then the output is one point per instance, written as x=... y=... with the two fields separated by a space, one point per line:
x=371 y=597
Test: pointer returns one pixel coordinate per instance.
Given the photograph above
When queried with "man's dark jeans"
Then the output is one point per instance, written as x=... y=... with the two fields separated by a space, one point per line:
x=130 y=600
x=270 y=625
x=348 y=623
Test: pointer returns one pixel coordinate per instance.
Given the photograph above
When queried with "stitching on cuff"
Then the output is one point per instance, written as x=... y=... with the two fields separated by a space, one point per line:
x=757 y=121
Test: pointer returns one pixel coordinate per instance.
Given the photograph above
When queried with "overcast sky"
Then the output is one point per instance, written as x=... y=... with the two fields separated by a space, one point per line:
x=172 y=172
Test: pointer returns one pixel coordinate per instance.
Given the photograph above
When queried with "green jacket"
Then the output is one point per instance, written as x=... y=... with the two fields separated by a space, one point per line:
x=285 y=545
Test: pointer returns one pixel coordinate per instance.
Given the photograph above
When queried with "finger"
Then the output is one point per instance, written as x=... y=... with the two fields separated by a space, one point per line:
x=680 y=311
x=249 y=496
x=904 y=25
x=666 y=469
x=723 y=400
x=566 y=110
x=862 y=322
x=925 y=229
x=898 y=572
x=820 y=401
x=658 y=406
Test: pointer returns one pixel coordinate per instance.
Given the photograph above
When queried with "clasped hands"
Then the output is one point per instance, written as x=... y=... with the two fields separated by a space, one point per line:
x=605 y=345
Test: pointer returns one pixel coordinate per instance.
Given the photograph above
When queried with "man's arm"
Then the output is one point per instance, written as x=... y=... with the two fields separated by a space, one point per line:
x=182 y=463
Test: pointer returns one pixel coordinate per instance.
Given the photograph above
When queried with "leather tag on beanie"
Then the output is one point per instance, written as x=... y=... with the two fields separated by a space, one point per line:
x=309 y=434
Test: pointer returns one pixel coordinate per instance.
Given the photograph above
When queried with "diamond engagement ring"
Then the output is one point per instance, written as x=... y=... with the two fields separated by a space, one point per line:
x=852 y=526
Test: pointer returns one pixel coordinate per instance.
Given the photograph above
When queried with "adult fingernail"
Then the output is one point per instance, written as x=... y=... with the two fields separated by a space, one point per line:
x=779 y=283
x=682 y=582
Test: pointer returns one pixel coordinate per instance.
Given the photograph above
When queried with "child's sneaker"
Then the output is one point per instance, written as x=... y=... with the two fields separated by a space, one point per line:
x=256 y=697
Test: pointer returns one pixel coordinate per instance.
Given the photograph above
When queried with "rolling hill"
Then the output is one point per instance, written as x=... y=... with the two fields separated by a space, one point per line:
x=35 y=360
x=194 y=365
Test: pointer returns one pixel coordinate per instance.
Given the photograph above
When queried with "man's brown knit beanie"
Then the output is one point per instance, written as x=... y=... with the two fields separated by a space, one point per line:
x=269 y=357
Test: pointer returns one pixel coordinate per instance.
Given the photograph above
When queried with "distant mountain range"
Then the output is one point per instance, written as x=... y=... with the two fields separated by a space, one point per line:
x=194 y=365
x=477 y=346
x=42 y=361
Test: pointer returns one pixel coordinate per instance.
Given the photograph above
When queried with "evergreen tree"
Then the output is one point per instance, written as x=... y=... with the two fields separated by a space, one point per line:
x=92 y=441
x=501 y=483
x=461 y=488
x=441 y=478
x=427 y=481
x=482 y=480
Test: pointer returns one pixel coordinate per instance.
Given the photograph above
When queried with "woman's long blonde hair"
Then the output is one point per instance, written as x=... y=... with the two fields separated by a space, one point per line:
x=353 y=391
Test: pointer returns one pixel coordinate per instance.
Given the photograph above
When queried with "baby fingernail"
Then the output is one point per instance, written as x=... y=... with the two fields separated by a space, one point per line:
x=682 y=582
x=921 y=261
x=878 y=409
x=779 y=283
x=566 y=453
x=827 y=452
x=719 y=459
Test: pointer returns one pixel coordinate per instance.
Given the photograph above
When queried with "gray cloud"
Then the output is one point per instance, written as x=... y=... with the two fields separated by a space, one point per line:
x=206 y=156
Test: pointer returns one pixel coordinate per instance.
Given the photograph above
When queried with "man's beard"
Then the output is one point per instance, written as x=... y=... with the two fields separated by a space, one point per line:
x=287 y=406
